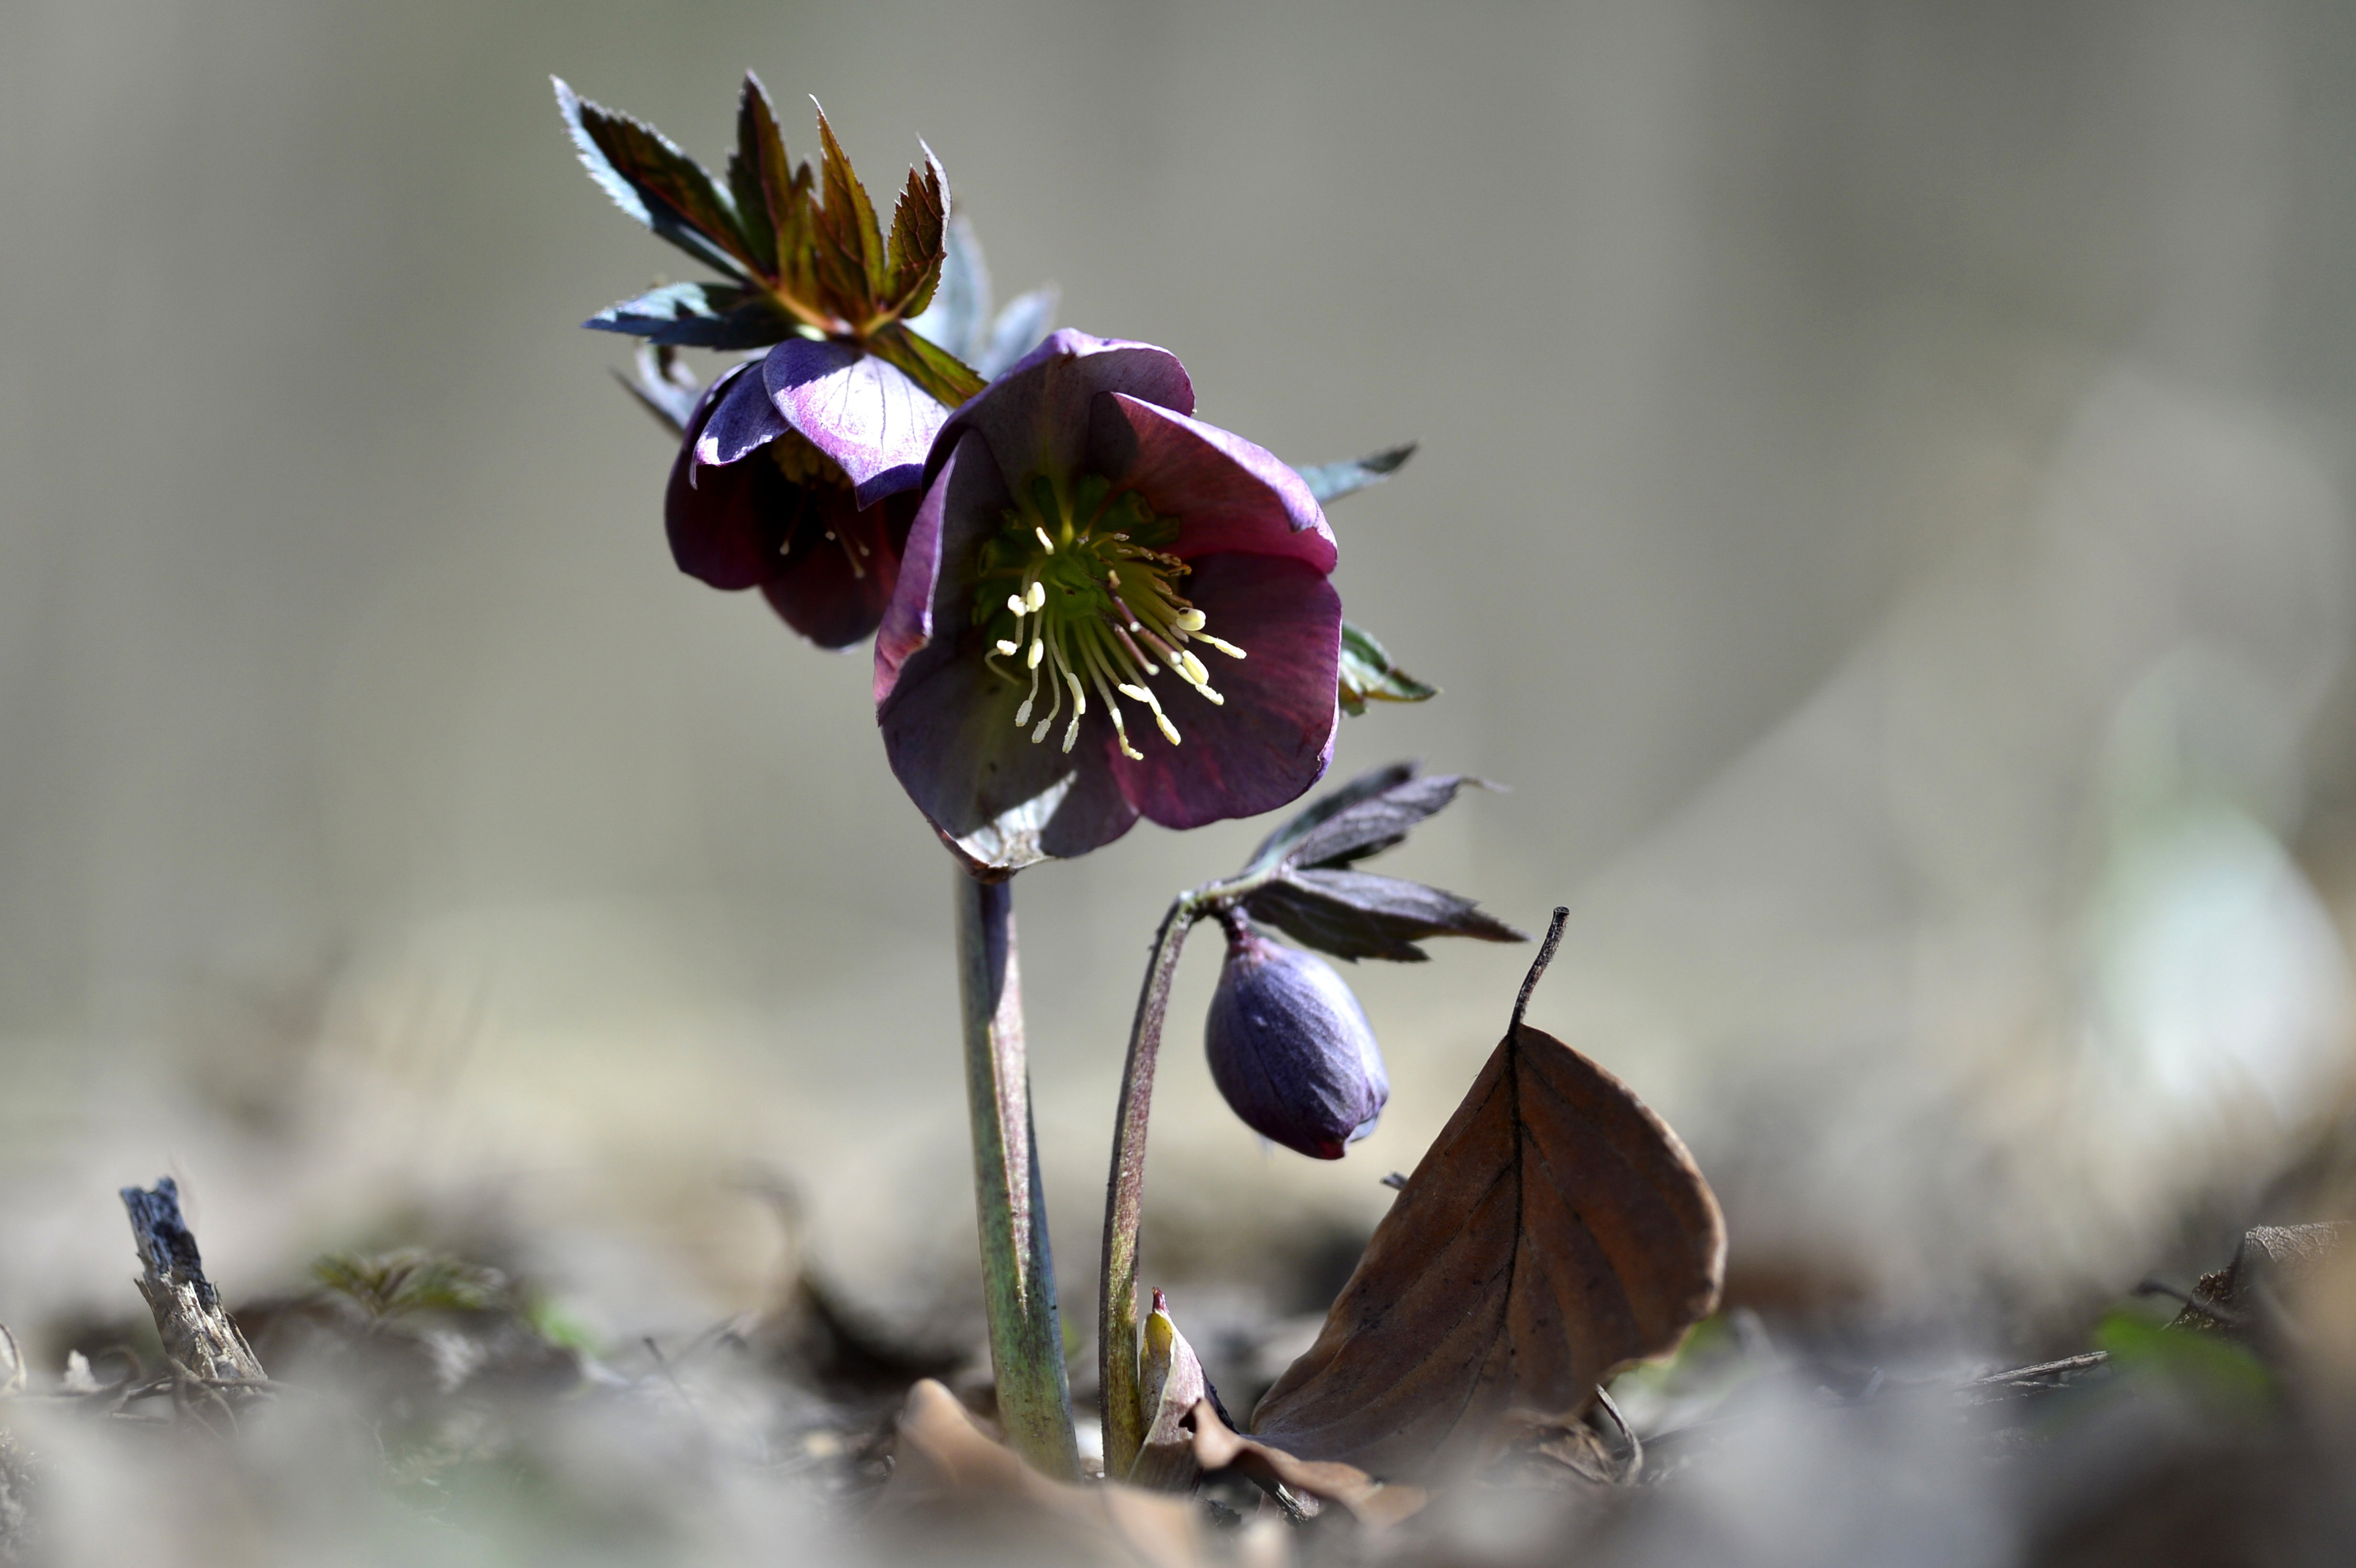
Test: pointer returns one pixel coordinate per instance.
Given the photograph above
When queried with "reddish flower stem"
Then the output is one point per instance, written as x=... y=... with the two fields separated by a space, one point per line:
x=1120 y=1402
x=1121 y=1397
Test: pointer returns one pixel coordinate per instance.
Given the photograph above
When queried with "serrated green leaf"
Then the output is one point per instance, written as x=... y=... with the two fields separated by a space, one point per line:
x=699 y=316
x=650 y=179
x=847 y=224
x=757 y=143
x=948 y=379
x=1331 y=481
x=920 y=240
x=1369 y=675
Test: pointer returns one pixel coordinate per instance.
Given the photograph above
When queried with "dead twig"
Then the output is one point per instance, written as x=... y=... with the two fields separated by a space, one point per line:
x=207 y=1355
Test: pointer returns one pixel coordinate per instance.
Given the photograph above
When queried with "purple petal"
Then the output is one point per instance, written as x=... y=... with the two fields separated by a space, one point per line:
x=863 y=412
x=714 y=516
x=935 y=583
x=833 y=580
x=1035 y=417
x=950 y=732
x=741 y=420
x=1225 y=493
x=1274 y=736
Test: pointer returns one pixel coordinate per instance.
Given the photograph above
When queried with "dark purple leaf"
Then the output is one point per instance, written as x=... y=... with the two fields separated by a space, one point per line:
x=1373 y=825
x=699 y=316
x=1323 y=808
x=1355 y=914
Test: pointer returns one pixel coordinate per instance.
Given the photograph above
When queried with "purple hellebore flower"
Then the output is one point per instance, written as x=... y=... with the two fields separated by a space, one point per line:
x=1290 y=1048
x=794 y=478
x=1106 y=608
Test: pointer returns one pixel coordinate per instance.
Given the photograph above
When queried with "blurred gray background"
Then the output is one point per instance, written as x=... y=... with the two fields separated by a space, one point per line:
x=1882 y=508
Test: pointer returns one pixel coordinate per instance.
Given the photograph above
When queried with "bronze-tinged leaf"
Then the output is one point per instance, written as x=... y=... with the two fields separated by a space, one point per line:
x=919 y=240
x=795 y=212
x=1557 y=1230
x=648 y=177
x=847 y=225
x=1218 y=1447
x=758 y=148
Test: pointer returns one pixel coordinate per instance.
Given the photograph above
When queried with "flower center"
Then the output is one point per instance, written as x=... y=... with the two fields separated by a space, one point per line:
x=811 y=523
x=1074 y=587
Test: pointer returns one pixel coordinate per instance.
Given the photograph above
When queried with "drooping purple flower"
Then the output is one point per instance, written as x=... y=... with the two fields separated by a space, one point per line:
x=795 y=477
x=787 y=465
x=1106 y=608
x=1290 y=1048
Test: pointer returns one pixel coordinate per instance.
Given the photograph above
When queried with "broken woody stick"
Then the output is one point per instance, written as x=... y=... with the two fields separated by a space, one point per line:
x=208 y=1356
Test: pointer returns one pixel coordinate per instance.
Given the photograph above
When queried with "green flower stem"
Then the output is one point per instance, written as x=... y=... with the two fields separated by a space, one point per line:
x=1026 y=1341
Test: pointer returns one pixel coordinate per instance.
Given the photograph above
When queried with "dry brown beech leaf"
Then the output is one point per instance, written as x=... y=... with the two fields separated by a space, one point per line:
x=1218 y=1447
x=945 y=1460
x=1556 y=1229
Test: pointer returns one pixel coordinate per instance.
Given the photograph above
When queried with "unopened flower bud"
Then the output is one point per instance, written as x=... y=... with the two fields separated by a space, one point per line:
x=1290 y=1048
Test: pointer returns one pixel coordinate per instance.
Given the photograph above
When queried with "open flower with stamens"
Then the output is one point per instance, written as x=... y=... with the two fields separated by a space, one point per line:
x=1106 y=608
x=796 y=477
